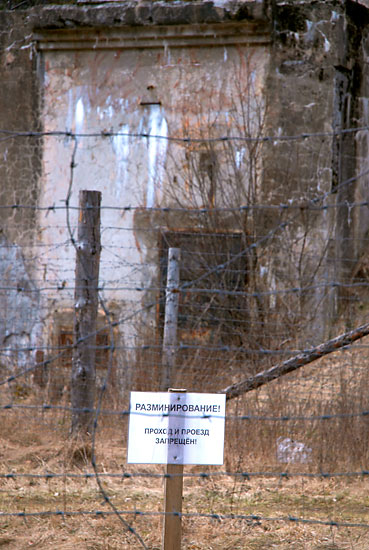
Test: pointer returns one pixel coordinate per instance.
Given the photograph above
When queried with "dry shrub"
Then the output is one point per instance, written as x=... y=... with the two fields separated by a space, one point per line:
x=78 y=451
x=250 y=446
x=322 y=406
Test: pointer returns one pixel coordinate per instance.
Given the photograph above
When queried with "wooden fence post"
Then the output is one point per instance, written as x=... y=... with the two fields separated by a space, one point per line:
x=174 y=472
x=88 y=249
x=172 y=531
x=171 y=318
x=173 y=491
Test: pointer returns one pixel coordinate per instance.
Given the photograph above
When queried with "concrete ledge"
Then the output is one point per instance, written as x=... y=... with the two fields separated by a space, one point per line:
x=153 y=37
x=118 y=14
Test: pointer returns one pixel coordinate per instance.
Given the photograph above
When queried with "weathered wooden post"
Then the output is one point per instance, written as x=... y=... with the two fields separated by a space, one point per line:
x=174 y=472
x=173 y=491
x=88 y=249
x=171 y=318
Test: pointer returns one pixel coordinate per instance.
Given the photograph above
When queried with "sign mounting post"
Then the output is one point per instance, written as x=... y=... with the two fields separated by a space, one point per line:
x=175 y=428
x=173 y=491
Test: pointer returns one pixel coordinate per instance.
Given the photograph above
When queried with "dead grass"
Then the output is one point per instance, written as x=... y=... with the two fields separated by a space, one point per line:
x=37 y=443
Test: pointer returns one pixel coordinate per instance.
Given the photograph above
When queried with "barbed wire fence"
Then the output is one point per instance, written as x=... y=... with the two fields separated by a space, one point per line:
x=260 y=286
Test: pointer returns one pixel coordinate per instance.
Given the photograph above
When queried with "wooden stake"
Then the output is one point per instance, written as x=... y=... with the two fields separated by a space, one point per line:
x=173 y=507
x=172 y=531
x=174 y=479
x=85 y=310
x=171 y=318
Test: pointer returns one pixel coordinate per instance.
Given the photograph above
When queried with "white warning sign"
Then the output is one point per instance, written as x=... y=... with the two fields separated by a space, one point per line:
x=176 y=428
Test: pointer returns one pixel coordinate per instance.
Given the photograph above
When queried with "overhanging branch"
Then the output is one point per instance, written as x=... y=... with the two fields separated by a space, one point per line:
x=294 y=363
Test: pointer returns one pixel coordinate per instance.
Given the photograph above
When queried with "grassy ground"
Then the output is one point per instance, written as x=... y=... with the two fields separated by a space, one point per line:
x=36 y=445
x=31 y=445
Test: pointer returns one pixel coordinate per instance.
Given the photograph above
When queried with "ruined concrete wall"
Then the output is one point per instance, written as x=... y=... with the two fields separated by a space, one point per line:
x=298 y=171
x=20 y=168
x=352 y=221
x=362 y=144
x=164 y=81
x=300 y=99
x=317 y=84
x=20 y=306
x=307 y=76
x=19 y=100
x=27 y=160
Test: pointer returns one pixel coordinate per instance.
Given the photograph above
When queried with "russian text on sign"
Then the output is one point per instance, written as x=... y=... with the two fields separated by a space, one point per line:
x=176 y=428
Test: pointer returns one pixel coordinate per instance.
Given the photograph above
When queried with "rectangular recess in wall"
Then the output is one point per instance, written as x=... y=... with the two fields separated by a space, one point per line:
x=215 y=271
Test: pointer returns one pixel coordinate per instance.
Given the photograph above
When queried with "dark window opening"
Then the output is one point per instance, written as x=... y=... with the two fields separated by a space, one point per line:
x=214 y=270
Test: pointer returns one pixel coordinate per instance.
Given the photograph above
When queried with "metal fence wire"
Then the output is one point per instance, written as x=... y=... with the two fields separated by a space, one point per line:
x=272 y=311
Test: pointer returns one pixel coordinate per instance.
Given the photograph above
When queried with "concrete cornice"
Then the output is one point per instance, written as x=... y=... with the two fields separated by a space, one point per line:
x=173 y=36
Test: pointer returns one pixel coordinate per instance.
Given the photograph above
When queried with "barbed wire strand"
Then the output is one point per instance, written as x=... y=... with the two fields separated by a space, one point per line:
x=111 y=324
x=242 y=417
x=12 y=134
x=244 y=475
x=187 y=515
x=103 y=492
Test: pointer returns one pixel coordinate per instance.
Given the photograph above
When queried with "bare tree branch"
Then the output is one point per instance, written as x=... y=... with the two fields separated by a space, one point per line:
x=294 y=363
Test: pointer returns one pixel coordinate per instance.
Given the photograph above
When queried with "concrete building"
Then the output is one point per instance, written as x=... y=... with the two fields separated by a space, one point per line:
x=142 y=101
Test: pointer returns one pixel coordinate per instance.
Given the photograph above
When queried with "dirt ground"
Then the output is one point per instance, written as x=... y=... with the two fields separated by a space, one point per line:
x=49 y=497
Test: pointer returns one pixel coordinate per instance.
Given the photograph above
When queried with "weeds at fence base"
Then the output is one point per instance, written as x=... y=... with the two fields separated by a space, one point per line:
x=78 y=451
x=37 y=442
x=53 y=452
